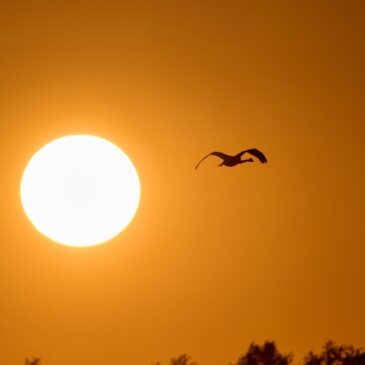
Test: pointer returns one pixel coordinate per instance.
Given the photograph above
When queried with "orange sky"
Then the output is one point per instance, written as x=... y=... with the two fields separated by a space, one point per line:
x=215 y=258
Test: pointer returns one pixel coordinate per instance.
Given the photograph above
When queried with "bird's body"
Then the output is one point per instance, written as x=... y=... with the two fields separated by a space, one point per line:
x=231 y=161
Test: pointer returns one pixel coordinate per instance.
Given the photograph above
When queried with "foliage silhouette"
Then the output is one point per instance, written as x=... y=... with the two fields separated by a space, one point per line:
x=336 y=355
x=182 y=360
x=34 y=361
x=267 y=354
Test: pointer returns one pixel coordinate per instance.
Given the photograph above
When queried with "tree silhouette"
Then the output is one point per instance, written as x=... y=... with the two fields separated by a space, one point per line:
x=34 y=361
x=336 y=355
x=267 y=354
x=182 y=360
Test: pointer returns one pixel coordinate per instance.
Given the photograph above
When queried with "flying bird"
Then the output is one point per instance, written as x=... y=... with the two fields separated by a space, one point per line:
x=236 y=159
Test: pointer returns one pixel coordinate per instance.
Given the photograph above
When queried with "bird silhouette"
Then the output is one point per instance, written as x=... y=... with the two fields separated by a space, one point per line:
x=231 y=161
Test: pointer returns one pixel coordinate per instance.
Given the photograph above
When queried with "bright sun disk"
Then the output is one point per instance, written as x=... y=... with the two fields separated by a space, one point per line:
x=80 y=190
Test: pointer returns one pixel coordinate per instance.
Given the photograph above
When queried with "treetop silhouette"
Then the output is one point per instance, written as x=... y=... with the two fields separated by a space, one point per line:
x=267 y=354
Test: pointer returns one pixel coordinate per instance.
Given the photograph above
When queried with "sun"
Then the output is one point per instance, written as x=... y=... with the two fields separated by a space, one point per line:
x=80 y=190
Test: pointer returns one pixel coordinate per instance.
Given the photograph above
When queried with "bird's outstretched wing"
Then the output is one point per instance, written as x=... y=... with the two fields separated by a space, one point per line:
x=256 y=153
x=215 y=153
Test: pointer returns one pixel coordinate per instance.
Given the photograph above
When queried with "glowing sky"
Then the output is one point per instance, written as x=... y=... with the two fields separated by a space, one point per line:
x=215 y=258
